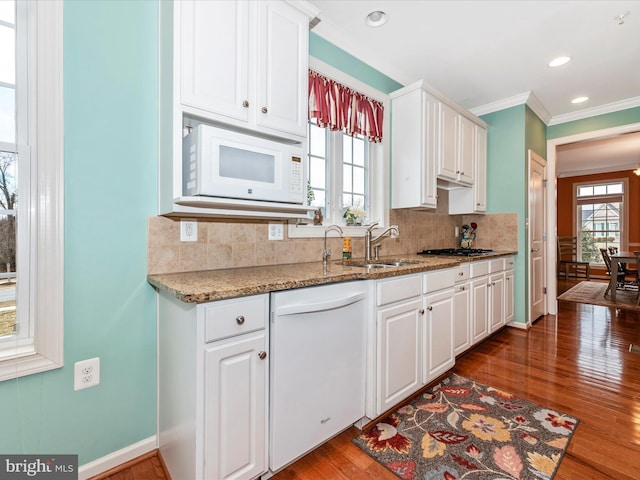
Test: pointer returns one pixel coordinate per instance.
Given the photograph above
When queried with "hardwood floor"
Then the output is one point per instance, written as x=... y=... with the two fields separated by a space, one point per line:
x=578 y=363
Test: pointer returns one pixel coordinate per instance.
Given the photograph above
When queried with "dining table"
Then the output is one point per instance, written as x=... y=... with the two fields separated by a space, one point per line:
x=616 y=259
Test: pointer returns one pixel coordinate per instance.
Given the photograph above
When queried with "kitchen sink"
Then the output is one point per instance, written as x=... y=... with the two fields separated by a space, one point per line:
x=382 y=264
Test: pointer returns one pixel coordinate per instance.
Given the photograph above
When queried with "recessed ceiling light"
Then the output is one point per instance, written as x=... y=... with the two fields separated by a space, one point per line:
x=556 y=62
x=579 y=99
x=376 y=18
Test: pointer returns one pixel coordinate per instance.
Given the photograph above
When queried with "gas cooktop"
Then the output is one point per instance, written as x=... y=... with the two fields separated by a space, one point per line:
x=457 y=252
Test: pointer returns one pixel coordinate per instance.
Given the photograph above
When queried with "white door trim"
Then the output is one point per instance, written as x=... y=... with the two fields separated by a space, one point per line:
x=552 y=232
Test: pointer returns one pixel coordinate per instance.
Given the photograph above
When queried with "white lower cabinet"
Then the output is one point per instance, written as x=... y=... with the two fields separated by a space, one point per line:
x=213 y=387
x=438 y=334
x=400 y=372
x=235 y=408
x=509 y=296
x=479 y=309
x=496 y=287
x=399 y=347
x=438 y=322
x=462 y=311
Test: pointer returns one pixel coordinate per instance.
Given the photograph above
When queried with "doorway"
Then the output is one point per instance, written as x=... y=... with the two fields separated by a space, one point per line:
x=552 y=285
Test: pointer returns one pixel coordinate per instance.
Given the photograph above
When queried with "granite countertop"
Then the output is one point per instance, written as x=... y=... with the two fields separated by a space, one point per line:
x=209 y=285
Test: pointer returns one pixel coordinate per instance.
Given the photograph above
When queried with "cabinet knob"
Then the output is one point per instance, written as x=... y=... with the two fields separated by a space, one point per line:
x=245 y=104
x=429 y=308
x=262 y=355
x=263 y=109
x=457 y=171
x=421 y=311
x=240 y=320
x=494 y=283
x=462 y=288
x=460 y=274
x=478 y=204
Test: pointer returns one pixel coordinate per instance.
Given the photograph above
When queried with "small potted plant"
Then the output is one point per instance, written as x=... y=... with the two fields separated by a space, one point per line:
x=354 y=215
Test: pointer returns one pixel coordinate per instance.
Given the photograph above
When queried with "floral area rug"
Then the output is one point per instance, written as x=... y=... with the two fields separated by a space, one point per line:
x=462 y=429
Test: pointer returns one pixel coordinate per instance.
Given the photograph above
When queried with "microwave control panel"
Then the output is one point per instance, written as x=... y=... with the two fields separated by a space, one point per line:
x=295 y=184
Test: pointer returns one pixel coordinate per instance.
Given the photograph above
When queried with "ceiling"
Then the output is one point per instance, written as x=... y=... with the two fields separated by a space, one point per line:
x=490 y=55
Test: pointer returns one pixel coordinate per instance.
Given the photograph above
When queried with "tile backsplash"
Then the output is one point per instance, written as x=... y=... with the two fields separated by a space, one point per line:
x=224 y=243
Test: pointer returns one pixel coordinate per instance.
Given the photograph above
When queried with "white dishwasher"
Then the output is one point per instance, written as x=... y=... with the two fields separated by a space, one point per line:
x=317 y=366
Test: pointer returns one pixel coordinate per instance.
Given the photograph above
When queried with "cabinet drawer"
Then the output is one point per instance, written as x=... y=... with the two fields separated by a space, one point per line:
x=479 y=268
x=509 y=263
x=496 y=265
x=401 y=288
x=234 y=317
x=439 y=279
x=463 y=273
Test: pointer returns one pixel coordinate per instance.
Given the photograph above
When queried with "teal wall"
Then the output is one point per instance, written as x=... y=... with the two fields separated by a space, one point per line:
x=535 y=134
x=599 y=122
x=506 y=178
x=345 y=62
x=110 y=155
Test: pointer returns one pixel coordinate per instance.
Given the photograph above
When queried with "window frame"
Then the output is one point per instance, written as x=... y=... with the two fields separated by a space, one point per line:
x=41 y=185
x=623 y=218
x=378 y=178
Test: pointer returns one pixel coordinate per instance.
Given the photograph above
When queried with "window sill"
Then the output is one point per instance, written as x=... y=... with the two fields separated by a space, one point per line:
x=26 y=365
x=317 y=231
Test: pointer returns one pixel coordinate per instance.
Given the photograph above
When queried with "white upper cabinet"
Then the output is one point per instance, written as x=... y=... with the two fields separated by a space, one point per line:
x=455 y=158
x=466 y=150
x=474 y=199
x=414 y=149
x=435 y=144
x=245 y=63
x=214 y=71
x=283 y=59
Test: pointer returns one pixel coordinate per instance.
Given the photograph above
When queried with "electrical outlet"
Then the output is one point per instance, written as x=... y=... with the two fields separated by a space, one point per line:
x=188 y=230
x=457 y=232
x=276 y=231
x=86 y=373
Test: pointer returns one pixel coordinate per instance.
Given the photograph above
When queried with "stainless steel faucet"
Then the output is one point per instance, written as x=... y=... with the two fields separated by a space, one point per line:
x=325 y=253
x=369 y=241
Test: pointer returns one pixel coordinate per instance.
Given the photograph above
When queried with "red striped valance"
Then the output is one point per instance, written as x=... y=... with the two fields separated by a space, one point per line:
x=341 y=108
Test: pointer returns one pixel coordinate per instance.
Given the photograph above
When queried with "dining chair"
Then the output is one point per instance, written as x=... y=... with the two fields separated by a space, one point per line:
x=628 y=270
x=621 y=275
x=567 y=258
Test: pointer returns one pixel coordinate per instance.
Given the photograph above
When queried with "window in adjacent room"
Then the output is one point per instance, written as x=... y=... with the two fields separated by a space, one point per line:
x=600 y=218
x=31 y=187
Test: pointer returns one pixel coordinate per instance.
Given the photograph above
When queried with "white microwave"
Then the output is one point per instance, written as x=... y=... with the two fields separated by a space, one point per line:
x=229 y=164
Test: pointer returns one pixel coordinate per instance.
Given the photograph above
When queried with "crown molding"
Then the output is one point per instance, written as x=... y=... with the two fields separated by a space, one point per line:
x=594 y=111
x=527 y=98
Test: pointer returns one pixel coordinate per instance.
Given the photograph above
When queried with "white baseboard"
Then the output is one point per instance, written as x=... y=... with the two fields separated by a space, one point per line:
x=119 y=457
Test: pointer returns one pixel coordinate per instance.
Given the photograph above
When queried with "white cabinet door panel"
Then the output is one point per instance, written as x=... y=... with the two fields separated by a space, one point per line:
x=461 y=318
x=438 y=334
x=283 y=49
x=400 y=353
x=235 y=409
x=215 y=56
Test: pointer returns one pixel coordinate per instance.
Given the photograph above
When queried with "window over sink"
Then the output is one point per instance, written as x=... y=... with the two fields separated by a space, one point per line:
x=345 y=171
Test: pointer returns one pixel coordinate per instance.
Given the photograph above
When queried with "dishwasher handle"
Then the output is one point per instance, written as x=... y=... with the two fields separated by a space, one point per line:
x=300 y=309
